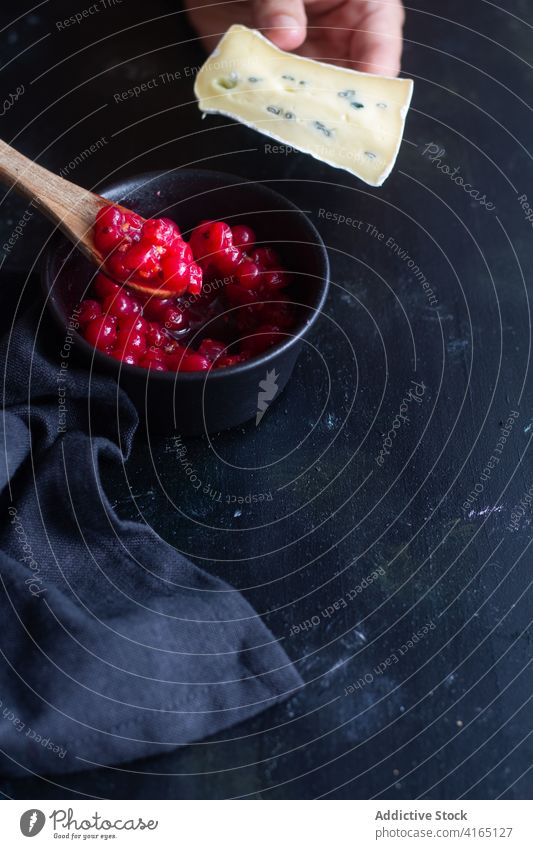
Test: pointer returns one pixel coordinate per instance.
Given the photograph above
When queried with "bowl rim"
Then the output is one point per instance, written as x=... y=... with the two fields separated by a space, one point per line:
x=261 y=360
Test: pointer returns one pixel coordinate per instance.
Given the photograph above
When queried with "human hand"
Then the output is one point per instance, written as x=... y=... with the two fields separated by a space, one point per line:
x=365 y=35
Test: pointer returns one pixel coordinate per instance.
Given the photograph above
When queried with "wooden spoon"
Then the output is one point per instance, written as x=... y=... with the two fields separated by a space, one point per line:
x=71 y=207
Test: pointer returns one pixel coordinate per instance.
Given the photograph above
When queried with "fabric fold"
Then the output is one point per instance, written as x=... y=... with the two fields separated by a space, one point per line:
x=113 y=645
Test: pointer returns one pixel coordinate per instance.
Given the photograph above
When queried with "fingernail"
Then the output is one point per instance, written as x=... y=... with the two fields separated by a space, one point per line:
x=285 y=22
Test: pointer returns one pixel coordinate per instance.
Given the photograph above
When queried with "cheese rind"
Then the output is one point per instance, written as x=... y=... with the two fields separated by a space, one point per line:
x=345 y=118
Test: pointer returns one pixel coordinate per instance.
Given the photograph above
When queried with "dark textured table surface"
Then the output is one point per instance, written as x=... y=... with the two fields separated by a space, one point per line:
x=428 y=320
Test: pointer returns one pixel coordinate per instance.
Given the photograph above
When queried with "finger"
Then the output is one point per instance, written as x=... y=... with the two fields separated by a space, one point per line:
x=283 y=21
x=379 y=58
x=377 y=46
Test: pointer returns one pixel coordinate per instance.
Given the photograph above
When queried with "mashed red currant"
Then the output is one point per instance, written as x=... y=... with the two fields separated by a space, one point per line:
x=221 y=280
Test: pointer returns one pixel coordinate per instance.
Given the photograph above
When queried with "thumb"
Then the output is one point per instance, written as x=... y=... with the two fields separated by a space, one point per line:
x=282 y=21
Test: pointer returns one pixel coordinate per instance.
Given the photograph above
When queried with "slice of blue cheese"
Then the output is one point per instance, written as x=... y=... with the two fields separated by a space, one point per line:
x=348 y=119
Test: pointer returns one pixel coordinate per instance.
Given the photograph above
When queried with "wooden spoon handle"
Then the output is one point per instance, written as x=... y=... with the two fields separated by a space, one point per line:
x=71 y=207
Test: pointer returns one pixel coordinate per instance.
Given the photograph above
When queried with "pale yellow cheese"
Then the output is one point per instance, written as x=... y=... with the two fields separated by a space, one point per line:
x=348 y=119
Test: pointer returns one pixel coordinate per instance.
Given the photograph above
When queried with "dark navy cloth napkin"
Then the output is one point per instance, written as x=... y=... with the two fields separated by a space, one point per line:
x=113 y=646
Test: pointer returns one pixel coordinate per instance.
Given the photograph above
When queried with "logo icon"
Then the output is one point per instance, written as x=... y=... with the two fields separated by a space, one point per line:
x=267 y=392
x=32 y=822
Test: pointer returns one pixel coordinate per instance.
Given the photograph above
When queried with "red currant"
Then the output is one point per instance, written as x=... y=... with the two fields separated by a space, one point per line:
x=107 y=239
x=116 y=267
x=224 y=362
x=142 y=260
x=155 y=308
x=155 y=336
x=211 y=348
x=155 y=353
x=118 y=305
x=101 y=332
x=181 y=249
x=243 y=236
x=265 y=258
x=274 y=281
x=135 y=306
x=103 y=286
x=174 y=319
x=160 y=231
x=194 y=362
x=125 y=356
x=133 y=222
x=109 y=216
x=175 y=273
x=131 y=340
x=227 y=260
x=88 y=310
x=209 y=238
x=153 y=363
x=175 y=360
x=195 y=279
x=134 y=322
x=248 y=274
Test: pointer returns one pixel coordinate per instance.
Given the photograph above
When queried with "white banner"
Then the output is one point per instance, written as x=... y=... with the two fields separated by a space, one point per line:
x=252 y=825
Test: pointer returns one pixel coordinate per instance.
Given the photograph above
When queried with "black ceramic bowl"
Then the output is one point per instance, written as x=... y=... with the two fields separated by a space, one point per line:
x=197 y=402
